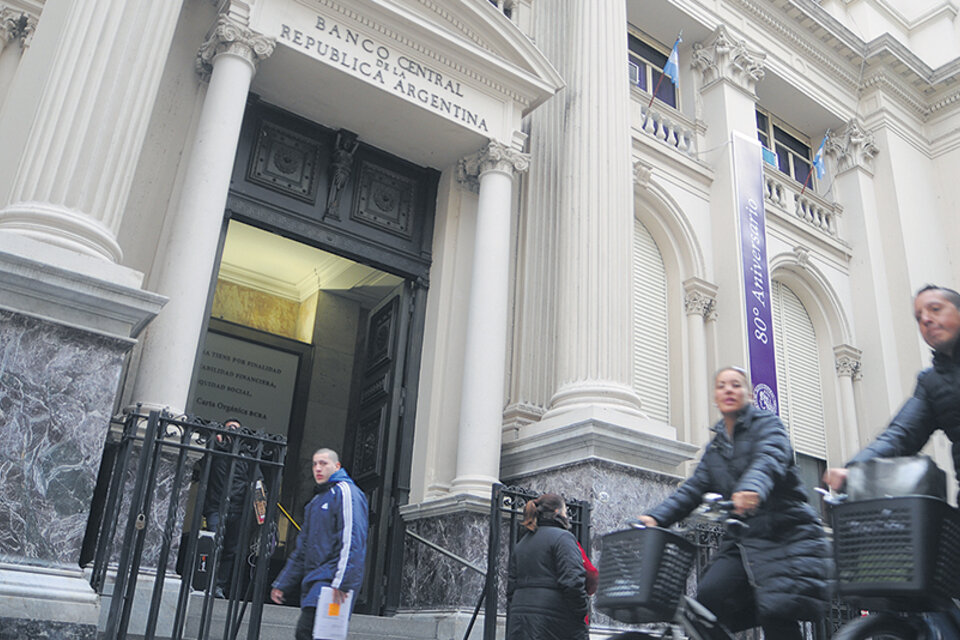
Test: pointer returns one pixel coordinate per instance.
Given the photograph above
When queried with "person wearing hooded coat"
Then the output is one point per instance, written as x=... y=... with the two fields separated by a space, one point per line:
x=546 y=579
x=775 y=571
x=331 y=548
x=935 y=403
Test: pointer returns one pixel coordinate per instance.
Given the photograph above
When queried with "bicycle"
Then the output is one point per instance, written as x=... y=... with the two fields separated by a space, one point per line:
x=643 y=575
x=899 y=558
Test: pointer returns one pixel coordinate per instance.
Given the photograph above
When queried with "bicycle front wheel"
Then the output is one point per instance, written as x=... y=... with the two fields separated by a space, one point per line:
x=879 y=626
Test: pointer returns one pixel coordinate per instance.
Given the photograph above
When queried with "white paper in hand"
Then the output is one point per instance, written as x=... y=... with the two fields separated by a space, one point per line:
x=332 y=619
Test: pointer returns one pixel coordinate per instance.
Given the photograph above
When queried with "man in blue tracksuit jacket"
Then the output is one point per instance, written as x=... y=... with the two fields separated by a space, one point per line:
x=332 y=545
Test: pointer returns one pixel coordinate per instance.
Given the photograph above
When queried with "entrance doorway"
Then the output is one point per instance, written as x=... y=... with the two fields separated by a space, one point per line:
x=315 y=346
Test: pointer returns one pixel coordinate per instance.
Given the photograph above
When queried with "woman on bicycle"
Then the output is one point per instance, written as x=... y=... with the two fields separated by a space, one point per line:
x=546 y=579
x=773 y=572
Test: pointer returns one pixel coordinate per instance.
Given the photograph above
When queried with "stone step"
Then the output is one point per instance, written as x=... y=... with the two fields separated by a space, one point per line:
x=279 y=623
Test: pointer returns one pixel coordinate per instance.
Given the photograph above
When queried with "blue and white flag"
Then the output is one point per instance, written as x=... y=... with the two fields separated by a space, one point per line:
x=818 y=158
x=671 y=69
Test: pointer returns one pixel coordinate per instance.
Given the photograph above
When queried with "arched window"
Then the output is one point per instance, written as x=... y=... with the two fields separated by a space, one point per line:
x=651 y=376
x=798 y=382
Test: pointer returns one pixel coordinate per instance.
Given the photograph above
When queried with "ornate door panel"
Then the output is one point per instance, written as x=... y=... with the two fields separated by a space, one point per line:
x=374 y=431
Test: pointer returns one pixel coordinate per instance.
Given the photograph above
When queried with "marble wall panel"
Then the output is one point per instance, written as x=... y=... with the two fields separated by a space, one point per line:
x=616 y=492
x=161 y=486
x=21 y=629
x=57 y=391
x=432 y=581
x=252 y=308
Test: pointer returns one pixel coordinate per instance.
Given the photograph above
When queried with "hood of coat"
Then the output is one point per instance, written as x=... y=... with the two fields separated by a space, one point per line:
x=338 y=476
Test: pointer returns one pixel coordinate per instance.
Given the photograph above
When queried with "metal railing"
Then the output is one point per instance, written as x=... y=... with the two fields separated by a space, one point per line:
x=154 y=461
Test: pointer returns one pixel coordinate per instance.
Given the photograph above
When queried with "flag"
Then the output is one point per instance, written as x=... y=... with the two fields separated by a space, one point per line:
x=671 y=69
x=769 y=157
x=818 y=158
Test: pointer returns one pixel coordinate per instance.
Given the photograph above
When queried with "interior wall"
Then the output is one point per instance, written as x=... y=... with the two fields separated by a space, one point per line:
x=256 y=309
x=337 y=325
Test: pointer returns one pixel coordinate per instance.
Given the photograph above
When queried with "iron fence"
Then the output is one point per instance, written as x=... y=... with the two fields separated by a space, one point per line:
x=156 y=456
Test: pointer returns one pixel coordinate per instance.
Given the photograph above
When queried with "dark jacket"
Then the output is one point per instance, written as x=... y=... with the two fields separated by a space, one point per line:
x=546 y=586
x=245 y=472
x=332 y=544
x=784 y=547
x=935 y=405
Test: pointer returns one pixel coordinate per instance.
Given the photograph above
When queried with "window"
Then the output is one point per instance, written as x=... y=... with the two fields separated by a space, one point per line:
x=798 y=384
x=793 y=153
x=646 y=68
x=811 y=472
x=505 y=6
x=651 y=375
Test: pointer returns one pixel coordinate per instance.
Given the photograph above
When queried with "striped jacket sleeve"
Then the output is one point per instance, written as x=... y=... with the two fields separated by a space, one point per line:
x=353 y=542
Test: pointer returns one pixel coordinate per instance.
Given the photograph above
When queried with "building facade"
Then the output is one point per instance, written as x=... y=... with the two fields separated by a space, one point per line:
x=461 y=242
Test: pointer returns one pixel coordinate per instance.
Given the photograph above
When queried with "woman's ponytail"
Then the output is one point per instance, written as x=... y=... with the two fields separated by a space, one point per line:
x=547 y=507
x=530 y=512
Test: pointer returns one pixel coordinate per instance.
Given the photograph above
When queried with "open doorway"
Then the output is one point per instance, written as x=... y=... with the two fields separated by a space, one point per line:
x=311 y=345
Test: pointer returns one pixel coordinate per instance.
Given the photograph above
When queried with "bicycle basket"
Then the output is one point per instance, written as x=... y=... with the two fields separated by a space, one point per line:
x=643 y=573
x=906 y=549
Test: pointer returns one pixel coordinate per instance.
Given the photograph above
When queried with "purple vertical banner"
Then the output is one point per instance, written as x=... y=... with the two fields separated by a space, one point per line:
x=748 y=181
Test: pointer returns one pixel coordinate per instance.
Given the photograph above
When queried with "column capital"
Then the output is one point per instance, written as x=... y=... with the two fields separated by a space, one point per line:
x=699 y=297
x=852 y=146
x=229 y=36
x=847 y=361
x=493 y=157
x=16 y=25
x=722 y=57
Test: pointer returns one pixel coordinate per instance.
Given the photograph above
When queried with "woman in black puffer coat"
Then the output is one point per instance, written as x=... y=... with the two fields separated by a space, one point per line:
x=546 y=582
x=775 y=571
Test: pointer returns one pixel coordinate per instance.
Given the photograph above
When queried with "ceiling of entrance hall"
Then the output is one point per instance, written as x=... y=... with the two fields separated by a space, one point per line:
x=282 y=267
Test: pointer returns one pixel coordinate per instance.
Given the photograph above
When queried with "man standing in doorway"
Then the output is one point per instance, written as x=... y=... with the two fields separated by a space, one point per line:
x=230 y=516
x=332 y=545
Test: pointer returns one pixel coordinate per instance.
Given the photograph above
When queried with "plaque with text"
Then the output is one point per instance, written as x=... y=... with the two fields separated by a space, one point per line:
x=241 y=379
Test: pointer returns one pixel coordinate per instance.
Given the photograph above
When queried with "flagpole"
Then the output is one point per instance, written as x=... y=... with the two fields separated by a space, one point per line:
x=650 y=104
x=806 y=182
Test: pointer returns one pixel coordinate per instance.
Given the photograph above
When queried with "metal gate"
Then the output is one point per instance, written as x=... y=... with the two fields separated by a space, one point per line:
x=511 y=501
x=154 y=458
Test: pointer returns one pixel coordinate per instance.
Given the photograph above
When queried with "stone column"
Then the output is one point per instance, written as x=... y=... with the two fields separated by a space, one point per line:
x=728 y=75
x=594 y=214
x=875 y=313
x=73 y=176
x=16 y=27
x=186 y=260
x=699 y=302
x=481 y=402
x=848 y=368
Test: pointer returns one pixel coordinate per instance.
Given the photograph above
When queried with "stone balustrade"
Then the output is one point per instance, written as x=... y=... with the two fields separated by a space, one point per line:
x=783 y=193
x=666 y=125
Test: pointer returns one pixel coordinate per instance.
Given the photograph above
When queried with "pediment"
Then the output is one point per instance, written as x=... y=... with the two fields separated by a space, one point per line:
x=479 y=24
x=469 y=38
x=429 y=80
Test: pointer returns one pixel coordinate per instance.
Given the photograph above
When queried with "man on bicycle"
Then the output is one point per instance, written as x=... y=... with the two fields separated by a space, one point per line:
x=936 y=400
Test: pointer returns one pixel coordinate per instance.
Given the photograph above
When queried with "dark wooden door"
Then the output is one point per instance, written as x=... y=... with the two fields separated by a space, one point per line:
x=374 y=432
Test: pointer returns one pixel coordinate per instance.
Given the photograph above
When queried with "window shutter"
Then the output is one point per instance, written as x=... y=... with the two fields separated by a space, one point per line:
x=651 y=376
x=798 y=372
